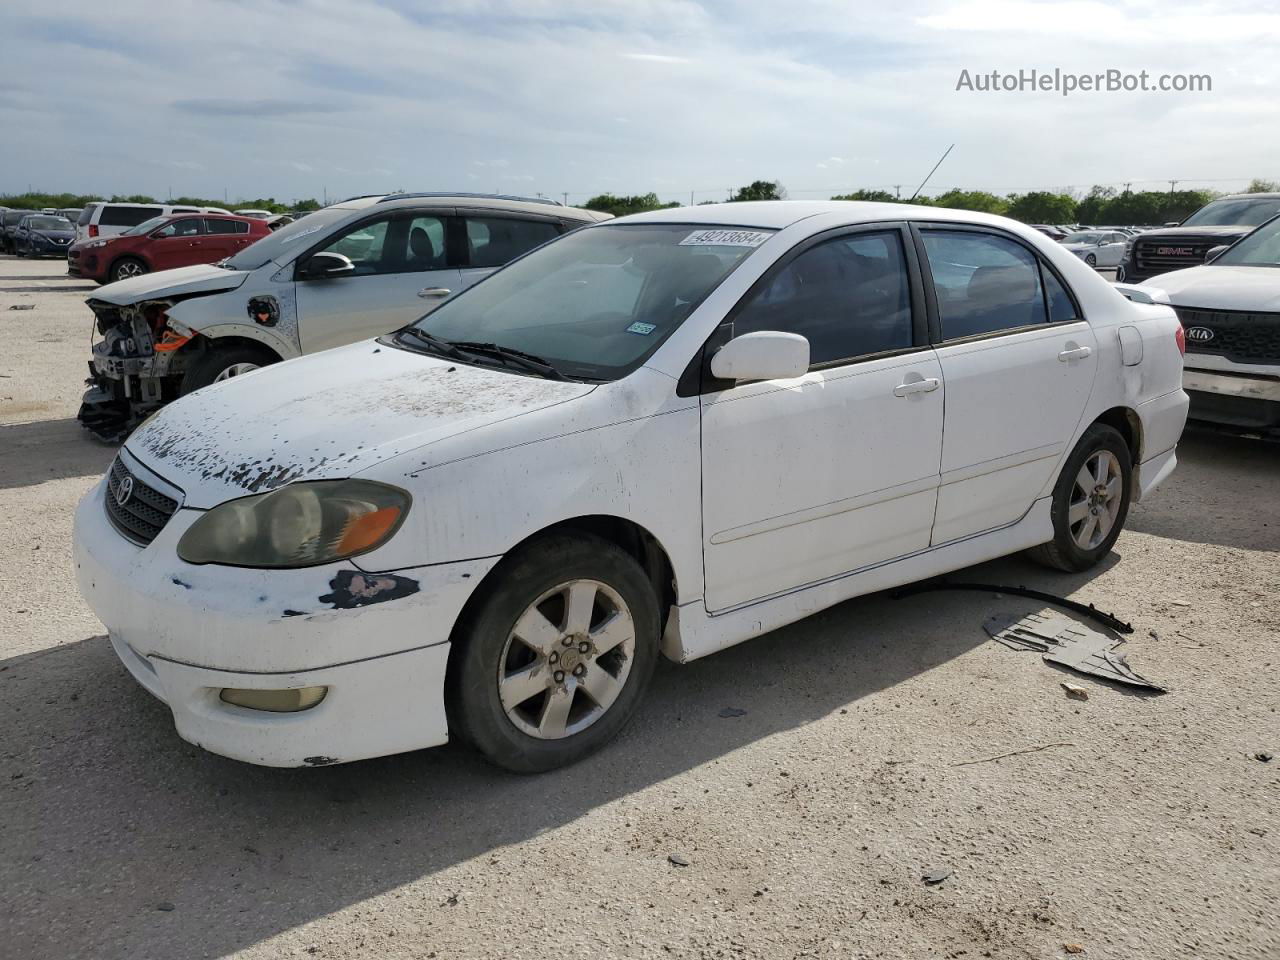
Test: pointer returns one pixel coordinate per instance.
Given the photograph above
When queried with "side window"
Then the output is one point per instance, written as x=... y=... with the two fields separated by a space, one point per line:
x=495 y=241
x=365 y=245
x=114 y=215
x=188 y=227
x=423 y=245
x=225 y=226
x=984 y=283
x=1061 y=307
x=849 y=297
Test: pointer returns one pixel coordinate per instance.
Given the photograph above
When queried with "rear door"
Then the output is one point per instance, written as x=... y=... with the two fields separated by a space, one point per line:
x=225 y=237
x=402 y=272
x=179 y=243
x=1018 y=361
x=491 y=239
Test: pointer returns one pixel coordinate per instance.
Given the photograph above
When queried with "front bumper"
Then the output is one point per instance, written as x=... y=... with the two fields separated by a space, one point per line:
x=1241 y=401
x=186 y=632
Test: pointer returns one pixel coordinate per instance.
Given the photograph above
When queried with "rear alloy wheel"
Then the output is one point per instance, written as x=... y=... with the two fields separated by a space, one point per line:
x=1090 y=501
x=126 y=268
x=557 y=654
x=1091 y=260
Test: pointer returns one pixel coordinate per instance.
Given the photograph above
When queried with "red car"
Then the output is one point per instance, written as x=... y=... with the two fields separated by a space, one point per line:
x=162 y=243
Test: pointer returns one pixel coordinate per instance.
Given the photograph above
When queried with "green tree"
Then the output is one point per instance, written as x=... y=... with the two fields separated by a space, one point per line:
x=622 y=206
x=760 y=190
x=1090 y=209
x=877 y=196
x=1262 y=186
x=978 y=200
x=1042 y=207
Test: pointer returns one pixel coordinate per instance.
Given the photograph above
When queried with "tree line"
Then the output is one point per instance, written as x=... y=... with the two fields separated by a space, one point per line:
x=59 y=201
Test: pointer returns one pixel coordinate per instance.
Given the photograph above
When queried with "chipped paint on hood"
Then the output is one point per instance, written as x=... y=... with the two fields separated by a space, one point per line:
x=327 y=416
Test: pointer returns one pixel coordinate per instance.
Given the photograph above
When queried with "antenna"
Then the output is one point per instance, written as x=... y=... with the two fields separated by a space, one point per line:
x=931 y=173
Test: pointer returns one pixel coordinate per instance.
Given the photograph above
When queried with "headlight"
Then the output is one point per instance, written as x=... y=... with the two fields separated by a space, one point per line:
x=299 y=525
x=1128 y=248
x=95 y=244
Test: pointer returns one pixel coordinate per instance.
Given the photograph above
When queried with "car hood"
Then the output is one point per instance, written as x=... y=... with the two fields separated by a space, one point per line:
x=184 y=281
x=55 y=234
x=1073 y=247
x=327 y=416
x=1186 y=233
x=1222 y=287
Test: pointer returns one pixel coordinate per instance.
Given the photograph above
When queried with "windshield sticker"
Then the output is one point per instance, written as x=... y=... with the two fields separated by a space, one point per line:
x=644 y=329
x=724 y=238
x=300 y=234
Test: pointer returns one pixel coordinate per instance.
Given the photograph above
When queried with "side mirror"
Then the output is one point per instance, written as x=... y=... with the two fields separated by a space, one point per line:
x=323 y=266
x=1215 y=252
x=764 y=355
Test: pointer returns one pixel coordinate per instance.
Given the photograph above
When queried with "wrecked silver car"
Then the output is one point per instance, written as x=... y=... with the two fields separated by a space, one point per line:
x=354 y=270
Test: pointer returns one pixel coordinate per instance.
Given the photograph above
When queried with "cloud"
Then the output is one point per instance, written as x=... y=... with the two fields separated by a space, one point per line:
x=656 y=58
x=253 y=108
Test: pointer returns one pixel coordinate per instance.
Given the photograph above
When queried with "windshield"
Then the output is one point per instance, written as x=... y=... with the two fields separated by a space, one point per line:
x=1234 y=213
x=597 y=302
x=49 y=223
x=289 y=239
x=1259 y=249
x=1082 y=238
x=146 y=226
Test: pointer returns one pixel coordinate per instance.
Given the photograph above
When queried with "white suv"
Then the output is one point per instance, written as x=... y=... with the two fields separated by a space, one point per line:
x=107 y=219
x=353 y=270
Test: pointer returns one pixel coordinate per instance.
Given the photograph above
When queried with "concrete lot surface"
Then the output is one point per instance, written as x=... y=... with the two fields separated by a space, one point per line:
x=1150 y=830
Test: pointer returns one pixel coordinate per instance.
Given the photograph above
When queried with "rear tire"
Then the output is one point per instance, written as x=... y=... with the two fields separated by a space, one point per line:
x=1091 y=260
x=1090 y=501
x=551 y=661
x=224 y=363
x=127 y=267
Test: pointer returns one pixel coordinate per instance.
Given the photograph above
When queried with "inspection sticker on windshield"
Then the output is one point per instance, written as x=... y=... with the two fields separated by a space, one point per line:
x=724 y=238
x=644 y=329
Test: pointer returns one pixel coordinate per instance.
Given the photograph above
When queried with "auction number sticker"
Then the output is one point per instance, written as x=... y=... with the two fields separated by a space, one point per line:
x=725 y=238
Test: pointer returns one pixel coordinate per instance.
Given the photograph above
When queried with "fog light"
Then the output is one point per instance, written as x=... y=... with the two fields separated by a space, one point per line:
x=275 y=701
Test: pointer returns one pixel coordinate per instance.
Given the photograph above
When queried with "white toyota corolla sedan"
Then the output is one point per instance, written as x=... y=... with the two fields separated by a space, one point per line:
x=664 y=434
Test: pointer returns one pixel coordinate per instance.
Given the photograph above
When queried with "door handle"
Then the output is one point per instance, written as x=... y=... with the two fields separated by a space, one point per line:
x=435 y=293
x=1075 y=353
x=910 y=387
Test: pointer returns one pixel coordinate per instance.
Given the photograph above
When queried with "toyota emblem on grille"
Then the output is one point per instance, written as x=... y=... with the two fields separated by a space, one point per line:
x=124 y=491
x=1199 y=334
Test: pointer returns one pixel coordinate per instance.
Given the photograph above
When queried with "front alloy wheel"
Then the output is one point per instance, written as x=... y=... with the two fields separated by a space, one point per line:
x=567 y=659
x=1095 y=499
x=554 y=652
x=235 y=370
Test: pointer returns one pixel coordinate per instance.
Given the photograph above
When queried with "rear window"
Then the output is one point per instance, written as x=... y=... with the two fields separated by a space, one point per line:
x=117 y=215
x=87 y=214
x=494 y=241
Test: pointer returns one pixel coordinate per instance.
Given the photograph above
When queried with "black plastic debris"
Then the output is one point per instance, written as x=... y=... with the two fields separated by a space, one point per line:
x=678 y=859
x=732 y=712
x=1109 y=620
x=1069 y=643
x=935 y=877
x=23 y=306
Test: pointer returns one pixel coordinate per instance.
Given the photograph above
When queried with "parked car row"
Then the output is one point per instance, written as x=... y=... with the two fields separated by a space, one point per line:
x=163 y=243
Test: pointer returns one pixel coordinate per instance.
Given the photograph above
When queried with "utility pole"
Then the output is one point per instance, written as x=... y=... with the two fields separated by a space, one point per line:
x=897 y=190
x=565 y=194
x=691 y=198
x=1127 y=185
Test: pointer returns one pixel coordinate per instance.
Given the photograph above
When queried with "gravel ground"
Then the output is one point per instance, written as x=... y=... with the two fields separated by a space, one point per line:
x=1149 y=829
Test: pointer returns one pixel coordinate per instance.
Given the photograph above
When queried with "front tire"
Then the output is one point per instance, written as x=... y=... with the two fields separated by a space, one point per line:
x=1090 y=501
x=1091 y=260
x=551 y=662
x=127 y=268
x=220 y=363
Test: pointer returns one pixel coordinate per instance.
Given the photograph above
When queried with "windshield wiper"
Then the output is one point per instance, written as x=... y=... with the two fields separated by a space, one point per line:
x=443 y=347
x=528 y=361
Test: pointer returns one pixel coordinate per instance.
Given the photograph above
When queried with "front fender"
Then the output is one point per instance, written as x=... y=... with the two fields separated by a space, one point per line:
x=269 y=318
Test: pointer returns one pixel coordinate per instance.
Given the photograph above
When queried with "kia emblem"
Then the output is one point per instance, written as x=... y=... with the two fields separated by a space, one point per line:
x=1200 y=334
x=124 y=491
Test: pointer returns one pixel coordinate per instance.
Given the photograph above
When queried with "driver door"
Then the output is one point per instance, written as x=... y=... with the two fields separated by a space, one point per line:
x=179 y=243
x=401 y=273
x=838 y=470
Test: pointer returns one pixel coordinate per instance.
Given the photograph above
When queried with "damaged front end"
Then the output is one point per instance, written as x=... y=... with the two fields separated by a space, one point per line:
x=136 y=367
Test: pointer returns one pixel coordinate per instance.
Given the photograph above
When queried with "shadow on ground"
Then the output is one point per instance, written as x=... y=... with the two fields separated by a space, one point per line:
x=105 y=812
x=49 y=450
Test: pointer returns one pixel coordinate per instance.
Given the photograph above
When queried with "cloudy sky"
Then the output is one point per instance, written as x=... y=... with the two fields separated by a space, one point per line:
x=292 y=98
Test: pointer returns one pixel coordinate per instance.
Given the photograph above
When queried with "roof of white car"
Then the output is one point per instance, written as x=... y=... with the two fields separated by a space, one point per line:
x=776 y=214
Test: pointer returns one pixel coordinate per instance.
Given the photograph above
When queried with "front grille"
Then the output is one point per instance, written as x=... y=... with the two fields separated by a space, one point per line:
x=1161 y=256
x=144 y=512
x=1238 y=336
